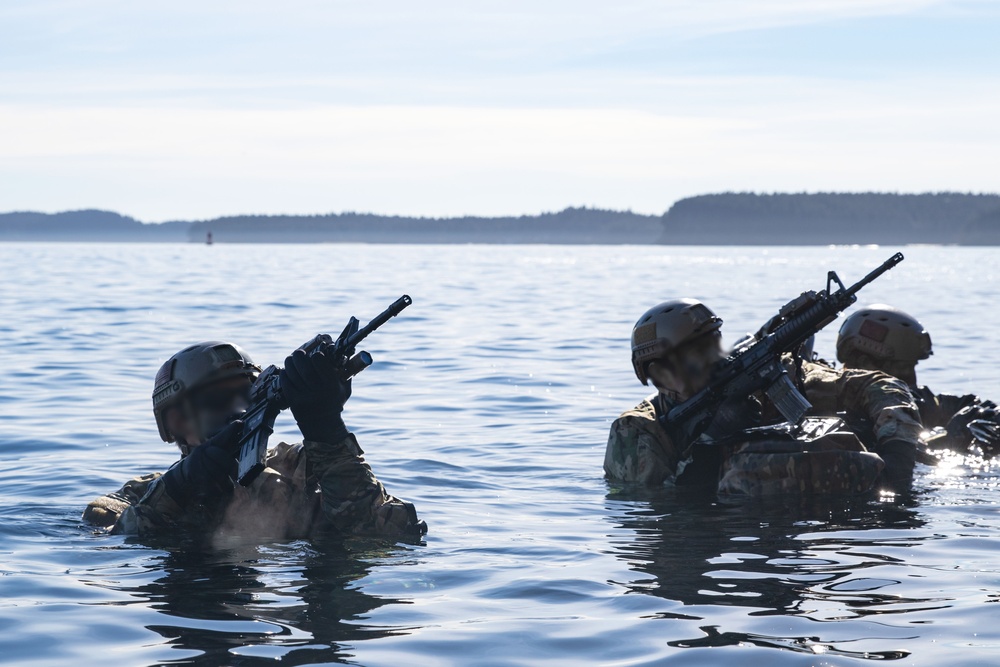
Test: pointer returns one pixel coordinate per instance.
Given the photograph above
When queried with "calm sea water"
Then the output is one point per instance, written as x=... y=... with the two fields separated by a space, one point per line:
x=488 y=407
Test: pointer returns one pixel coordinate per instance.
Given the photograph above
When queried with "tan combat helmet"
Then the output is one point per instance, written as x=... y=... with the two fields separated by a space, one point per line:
x=886 y=335
x=195 y=367
x=666 y=327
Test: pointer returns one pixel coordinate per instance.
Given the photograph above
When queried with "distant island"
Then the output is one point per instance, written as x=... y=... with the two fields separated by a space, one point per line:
x=833 y=218
x=571 y=225
x=730 y=218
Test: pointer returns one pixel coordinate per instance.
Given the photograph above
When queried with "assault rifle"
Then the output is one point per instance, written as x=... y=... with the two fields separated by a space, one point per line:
x=757 y=365
x=267 y=399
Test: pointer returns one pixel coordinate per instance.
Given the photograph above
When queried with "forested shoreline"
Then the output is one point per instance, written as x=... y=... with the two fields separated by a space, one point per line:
x=717 y=219
x=834 y=218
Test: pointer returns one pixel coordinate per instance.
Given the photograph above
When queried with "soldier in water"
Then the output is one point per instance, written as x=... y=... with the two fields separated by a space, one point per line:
x=321 y=483
x=677 y=343
x=883 y=338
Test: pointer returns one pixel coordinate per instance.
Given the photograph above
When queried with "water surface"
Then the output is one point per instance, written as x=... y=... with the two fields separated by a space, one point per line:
x=488 y=407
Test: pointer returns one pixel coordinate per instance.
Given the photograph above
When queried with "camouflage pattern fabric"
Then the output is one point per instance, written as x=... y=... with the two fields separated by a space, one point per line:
x=836 y=463
x=352 y=499
x=639 y=449
x=885 y=401
x=104 y=511
x=305 y=487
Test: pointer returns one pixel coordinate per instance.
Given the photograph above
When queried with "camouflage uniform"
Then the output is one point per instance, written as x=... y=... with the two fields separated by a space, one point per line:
x=639 y=449
x=831 y=460
x=880 y=337
x=305 y=487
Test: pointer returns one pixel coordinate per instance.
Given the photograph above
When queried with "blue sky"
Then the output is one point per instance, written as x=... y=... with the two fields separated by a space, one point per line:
x=197 y=109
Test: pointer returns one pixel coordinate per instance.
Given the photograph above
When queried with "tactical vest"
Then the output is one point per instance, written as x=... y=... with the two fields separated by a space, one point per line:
x=818 y=455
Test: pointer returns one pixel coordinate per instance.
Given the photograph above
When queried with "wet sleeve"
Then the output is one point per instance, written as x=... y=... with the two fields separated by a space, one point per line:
x=154 y=513
x=884 y=400
x=105 y=511
x=352 y=499
x=636 y=455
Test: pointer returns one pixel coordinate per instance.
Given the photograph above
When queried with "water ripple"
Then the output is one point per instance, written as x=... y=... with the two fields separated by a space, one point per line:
x=488 y=407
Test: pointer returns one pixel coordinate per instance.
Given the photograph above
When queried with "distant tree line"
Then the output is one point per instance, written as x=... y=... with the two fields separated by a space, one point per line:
x=571 y=225
x=729 y=218
x=868 y=217
x=86 y=225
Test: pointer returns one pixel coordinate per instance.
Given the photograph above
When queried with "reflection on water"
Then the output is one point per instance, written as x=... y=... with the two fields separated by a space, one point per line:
x=818 y=558
x=809 y=645
x=296 y=603
x=488 y=407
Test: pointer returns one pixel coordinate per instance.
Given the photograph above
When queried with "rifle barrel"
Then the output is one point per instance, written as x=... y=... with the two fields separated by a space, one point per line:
x=395 y=308
x=886 y=265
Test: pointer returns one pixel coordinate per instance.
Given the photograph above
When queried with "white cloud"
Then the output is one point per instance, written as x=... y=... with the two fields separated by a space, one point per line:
x=159 y=163
x=310 y=33
x=186 y=109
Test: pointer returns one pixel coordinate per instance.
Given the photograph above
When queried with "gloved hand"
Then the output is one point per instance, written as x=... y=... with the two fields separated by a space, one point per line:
x=899 y=456
x=976 y=424
x=316 y=392
x=206 y=474
x=733 y=415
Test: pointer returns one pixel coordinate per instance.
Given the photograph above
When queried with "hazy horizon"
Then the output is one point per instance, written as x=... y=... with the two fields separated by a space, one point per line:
x=523 y=214
x=727 y=218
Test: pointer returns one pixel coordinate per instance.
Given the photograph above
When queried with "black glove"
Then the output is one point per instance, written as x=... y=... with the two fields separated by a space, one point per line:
x=316 y=392
x=899 y=456
x=205 y=476
x=976 y=424
x=733 y=415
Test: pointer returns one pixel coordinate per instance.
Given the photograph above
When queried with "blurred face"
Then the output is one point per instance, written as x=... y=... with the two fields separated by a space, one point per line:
x=904 y=370
x=688 y=369
x=209 y=409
